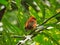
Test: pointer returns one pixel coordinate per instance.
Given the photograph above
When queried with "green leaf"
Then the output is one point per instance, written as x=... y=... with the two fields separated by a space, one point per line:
x=4 y=2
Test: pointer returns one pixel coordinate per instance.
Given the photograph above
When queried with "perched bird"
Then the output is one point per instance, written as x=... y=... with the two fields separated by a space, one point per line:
x=31 y=23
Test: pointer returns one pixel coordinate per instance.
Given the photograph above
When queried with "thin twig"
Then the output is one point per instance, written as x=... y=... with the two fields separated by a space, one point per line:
x=50 y=18
x=17 y=36
x=39 y=31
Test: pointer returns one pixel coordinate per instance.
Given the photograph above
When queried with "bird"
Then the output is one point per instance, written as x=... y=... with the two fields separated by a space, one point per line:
x=31 y=23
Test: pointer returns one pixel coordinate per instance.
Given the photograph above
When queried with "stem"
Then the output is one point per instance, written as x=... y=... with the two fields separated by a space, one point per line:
x=50 y=18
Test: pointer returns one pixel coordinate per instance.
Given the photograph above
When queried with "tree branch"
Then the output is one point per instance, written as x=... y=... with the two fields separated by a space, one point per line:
x=50 y=18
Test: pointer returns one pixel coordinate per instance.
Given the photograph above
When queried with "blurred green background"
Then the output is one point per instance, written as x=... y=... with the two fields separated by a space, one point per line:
x=15 y=15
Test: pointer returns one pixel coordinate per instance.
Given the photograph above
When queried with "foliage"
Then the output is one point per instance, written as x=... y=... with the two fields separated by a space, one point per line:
x=15 y=17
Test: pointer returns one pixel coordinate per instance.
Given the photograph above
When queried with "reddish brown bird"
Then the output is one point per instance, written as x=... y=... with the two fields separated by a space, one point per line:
x=31 y=23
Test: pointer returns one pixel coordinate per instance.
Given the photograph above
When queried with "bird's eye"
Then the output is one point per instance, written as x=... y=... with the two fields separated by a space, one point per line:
x=34 y=18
